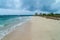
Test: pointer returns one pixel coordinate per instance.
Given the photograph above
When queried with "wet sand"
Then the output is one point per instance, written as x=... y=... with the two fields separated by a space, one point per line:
x=21 y=33
x=38 y=28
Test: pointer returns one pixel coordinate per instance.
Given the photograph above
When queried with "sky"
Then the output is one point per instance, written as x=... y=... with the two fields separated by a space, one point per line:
x=29 y=6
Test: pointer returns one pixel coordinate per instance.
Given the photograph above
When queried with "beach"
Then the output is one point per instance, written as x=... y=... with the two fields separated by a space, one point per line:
x=21 y=33
x=38 y=28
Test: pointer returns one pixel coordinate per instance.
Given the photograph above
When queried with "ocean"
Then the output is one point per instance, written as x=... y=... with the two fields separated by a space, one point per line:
x=8 y=23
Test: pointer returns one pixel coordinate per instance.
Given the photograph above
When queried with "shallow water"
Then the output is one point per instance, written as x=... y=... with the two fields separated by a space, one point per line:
x=7 y=23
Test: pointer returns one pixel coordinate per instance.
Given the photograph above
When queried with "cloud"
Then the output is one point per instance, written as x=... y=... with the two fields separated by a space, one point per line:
x=10 y=4
x=56 y=5
x=14 y=12
x=31 y=5
x=46 y=5
x=41 y=5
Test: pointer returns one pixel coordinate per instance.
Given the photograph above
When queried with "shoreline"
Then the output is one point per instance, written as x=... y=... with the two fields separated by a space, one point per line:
x=10 y=30
x=38 y=28
x=19 y=28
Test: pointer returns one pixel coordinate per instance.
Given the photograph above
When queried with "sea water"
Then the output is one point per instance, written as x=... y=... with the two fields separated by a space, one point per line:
x=8 y=23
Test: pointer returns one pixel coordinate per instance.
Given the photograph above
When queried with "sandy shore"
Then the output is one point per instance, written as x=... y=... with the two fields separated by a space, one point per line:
x=45 y=29
x=21 y=33
x=37 y=28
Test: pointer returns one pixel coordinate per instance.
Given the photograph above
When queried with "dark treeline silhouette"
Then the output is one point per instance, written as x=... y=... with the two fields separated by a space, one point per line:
x=48 y=14
x=55 y=16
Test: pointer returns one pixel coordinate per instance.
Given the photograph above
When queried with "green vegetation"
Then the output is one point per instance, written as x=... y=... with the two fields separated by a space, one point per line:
x=49 y=15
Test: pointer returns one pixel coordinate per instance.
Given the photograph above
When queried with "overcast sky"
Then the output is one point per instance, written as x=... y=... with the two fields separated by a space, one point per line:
x=29 y=5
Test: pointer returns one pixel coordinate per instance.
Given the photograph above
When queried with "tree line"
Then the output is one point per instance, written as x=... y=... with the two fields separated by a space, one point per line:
x=48 y=14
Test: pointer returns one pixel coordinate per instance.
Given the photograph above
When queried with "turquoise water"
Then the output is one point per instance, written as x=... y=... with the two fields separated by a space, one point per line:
x=7 y=23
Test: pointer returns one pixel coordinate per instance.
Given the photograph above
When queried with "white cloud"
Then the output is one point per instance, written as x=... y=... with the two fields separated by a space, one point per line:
x=31 y=5
x=14 y=12
x=17 y=4
x=56 y=5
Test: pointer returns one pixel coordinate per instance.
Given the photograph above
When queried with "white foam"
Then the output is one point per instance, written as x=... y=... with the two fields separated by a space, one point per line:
x=9 y=30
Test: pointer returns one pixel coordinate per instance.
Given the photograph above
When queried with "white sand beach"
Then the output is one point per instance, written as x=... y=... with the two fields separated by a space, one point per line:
x=45 y=29
x=38 y=28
